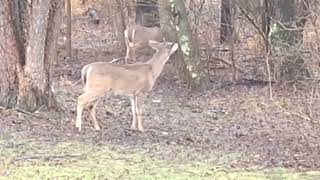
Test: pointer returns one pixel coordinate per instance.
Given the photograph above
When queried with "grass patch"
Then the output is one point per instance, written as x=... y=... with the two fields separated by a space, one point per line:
x=75 y=160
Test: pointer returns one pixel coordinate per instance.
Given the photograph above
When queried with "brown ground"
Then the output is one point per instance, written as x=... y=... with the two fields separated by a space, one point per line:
x=232 y=119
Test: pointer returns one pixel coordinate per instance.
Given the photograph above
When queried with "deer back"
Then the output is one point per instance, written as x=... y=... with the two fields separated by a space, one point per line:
x=140 y=35
x=118 y=78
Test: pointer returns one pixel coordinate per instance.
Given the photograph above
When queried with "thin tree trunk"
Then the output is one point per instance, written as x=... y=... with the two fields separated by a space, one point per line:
x=69 y=26
x=120 y=21
x=265 y=21
x=51 y=56
x=196 y=75
x=9 y=59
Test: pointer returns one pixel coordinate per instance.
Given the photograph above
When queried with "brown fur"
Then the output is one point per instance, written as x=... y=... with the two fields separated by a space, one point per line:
x=133 y=80
x=137 y=36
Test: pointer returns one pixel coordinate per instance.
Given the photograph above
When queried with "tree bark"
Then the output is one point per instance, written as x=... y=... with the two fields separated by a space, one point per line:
x=9 y=59
x=265 y=21
x=27 y=44
x=196 y=75
x=34 y=87
x=120 y=23
x=51 y=56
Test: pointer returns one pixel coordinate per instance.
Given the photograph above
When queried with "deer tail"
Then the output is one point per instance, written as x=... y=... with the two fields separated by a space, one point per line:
x=84 y=73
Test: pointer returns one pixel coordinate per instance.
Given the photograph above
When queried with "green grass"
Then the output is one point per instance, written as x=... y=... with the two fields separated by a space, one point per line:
x=75 y=160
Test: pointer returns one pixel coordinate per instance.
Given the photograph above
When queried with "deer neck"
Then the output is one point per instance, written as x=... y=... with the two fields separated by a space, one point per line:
x=157 y=62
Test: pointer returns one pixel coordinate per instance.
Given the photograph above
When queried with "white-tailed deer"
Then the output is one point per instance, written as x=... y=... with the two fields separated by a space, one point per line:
x=133 y=80
x=137 y=36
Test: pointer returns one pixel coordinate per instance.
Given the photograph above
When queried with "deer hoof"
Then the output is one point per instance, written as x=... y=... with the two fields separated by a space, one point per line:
x=134 y=128
x=97 y=128
x=78 y=127
x=141 y=130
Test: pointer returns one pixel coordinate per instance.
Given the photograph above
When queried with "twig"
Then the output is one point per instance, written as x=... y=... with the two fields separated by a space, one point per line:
x=293 y=29
x=115 y=60
x=29 y=113
x=229 y=64
x=39 y=108
x=25 y=112
x=48 y=157
x=252 y=21
x=75 y=83
x=258 y=81
x=301 y=115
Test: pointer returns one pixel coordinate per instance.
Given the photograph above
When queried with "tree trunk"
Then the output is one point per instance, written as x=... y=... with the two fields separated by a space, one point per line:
x=26 y=46
x=69 y=27
x=265 y=22
x=196 y=77
x=34 y=86
x=51 y=55
x=9 y=58
x=120 y=23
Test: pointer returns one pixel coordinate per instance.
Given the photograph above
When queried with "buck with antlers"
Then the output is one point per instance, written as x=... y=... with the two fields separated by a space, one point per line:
x=137 y=36
x=133 y=80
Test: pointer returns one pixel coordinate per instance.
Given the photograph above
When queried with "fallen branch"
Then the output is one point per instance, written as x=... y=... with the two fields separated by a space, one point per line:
x=29 y=113
x=300 y=115
x=229 y=64
x=115 y=60
x=25 y=112
x=48 y=157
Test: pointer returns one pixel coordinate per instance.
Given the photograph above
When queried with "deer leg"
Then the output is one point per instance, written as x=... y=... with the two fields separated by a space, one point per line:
x=133 y=54
x=140 y=110
x=83 y=99
x=127 y=54
x=93 y=115
x=134 y=112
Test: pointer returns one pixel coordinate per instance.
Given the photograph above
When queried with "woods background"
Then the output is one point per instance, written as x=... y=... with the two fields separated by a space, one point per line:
x=242 y=92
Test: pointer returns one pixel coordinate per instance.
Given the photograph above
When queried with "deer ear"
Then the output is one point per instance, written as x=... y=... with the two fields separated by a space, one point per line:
x=164 y=39
x=174 y=48
x=153 y=43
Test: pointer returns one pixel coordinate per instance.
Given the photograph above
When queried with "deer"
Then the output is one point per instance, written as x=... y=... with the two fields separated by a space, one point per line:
x=131 y=80
x=137 y=36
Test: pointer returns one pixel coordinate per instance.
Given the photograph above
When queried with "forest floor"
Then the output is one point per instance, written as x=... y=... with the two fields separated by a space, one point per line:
x=232 y=131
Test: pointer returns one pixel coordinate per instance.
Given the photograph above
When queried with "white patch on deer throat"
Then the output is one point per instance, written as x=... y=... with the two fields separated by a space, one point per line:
x=88 y=72
x=126 y=34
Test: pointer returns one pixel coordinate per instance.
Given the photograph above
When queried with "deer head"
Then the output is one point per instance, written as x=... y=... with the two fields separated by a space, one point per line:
x=137 y=36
